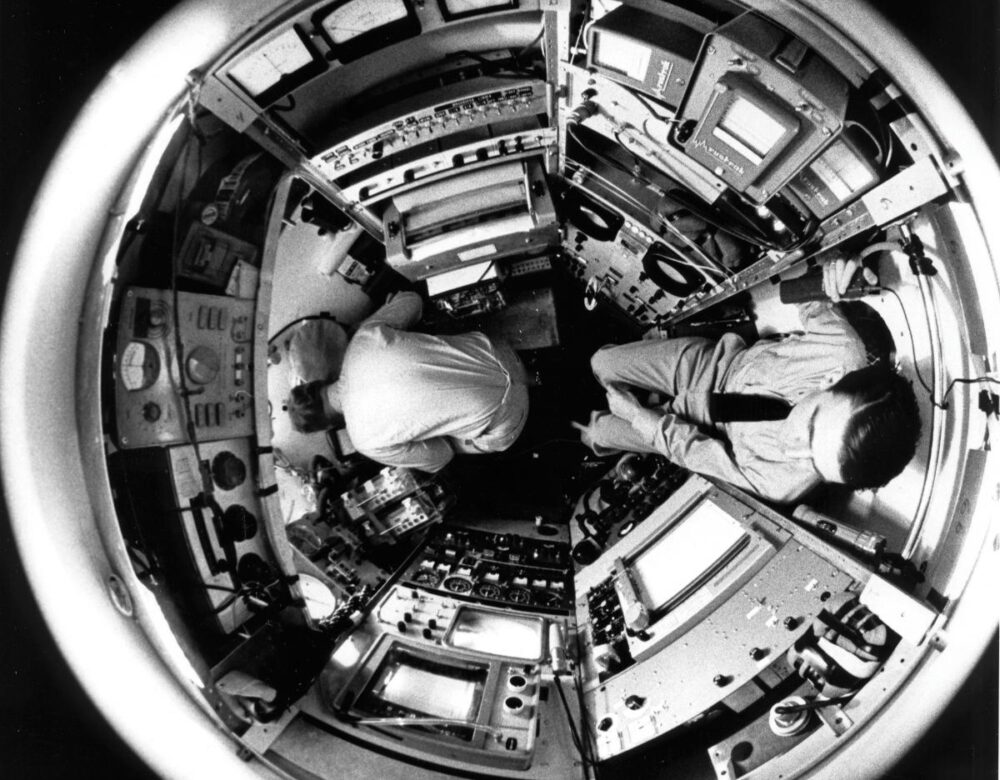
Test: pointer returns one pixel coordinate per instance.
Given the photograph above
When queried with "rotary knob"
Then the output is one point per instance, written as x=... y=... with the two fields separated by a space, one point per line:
x=228 y=470
x=203 y=365
x=238 y=523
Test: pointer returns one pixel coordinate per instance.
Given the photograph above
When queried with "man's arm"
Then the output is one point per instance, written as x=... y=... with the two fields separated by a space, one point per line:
x=430 y=455
x=400 y=311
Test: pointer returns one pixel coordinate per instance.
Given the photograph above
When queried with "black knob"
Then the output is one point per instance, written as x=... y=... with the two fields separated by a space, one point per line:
x=634 y=702
x=408 y=617
x=151 y=411
x=757 y=653
x=238 y=523
x=401 y=626
x=791 y=623
x=253 y=568
x=432 y=624
x=722 y=680
x=428 y=634
x=586 y=551
x=228 y=470
x=604 y=724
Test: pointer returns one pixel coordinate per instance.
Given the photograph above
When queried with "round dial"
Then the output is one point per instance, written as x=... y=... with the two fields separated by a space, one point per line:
x=203 y=365
x=228 y=470
x=139 y=365
x=361 y=16
x=238 y=523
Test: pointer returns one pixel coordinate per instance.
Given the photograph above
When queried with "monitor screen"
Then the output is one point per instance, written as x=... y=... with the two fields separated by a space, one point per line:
x=681 y=559
x=749 y=129
x=485 y=631
x=620 y=54
x=410 y=684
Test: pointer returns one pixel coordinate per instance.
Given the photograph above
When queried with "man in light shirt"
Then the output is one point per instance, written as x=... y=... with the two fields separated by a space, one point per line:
x=414 y=399
x=826 y=415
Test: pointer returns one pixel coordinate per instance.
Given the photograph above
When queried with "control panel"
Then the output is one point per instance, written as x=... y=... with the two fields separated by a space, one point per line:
x=761 y=105
x=435 y=116
x=705 y=596
x=158 y=392
x=495 y=569
x=223 y=527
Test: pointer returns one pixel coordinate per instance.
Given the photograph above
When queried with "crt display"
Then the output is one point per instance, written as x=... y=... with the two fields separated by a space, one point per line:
x=749 y=129
x=410 y=684
x=620 y=54
x=485 y=631
x=682 y=558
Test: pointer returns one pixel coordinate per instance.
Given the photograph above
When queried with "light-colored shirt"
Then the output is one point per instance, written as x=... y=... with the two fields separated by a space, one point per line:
x=770 y=458
x=410 y=399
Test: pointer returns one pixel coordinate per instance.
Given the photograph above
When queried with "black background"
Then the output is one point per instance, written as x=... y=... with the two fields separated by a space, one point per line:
x=50 y=60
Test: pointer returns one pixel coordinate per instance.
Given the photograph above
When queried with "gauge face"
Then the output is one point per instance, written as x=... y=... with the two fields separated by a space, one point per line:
x=139 y=365
x=356 y=27
x=277 y=67
x=456 y=9
x=203 y=365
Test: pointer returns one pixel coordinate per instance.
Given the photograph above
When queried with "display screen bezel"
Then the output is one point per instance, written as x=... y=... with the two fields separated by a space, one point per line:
x=370 y=702
x=287 y=83
x=369 y=41
x=725 y=558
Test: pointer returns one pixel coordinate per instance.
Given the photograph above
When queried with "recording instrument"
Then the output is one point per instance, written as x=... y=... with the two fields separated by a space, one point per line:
x=495 y=569
x=644 y=51
x=614 y=270
x=453 y=674
x=491 y=213
x=839 y=175
x=707 y=576
x=216 y=343
x=432 y=117
x=761 y=105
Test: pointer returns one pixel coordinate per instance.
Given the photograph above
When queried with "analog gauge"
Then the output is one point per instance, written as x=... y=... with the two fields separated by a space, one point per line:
x=203 y=365
x=518 y=595
x=277 y=67
x=139 y=365
x=458 y=584
x=458 y=9
x=356 y=27
x=488 y=590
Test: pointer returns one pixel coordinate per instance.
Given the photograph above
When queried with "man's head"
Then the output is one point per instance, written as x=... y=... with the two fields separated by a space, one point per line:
x=313 y=407
x=865 y=428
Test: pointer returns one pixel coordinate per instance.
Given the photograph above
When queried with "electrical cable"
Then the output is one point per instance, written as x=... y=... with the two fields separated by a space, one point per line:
x=577 y=742
x=871 y=136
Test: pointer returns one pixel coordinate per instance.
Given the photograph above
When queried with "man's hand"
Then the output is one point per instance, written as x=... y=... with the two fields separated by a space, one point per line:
x=623 y=404
x=837 y=275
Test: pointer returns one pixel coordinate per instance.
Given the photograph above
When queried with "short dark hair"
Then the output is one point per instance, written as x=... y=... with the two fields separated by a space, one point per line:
x=884 y=429
x=306 y=409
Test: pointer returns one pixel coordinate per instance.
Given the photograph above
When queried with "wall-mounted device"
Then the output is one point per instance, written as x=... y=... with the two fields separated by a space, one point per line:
x=490 y=213
x=644 y=51
x=448 y=111
x=839 y=175
x=276 y=66
x=216 y=342
x=707 y=576
x=761 y=105
x=223 y=529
